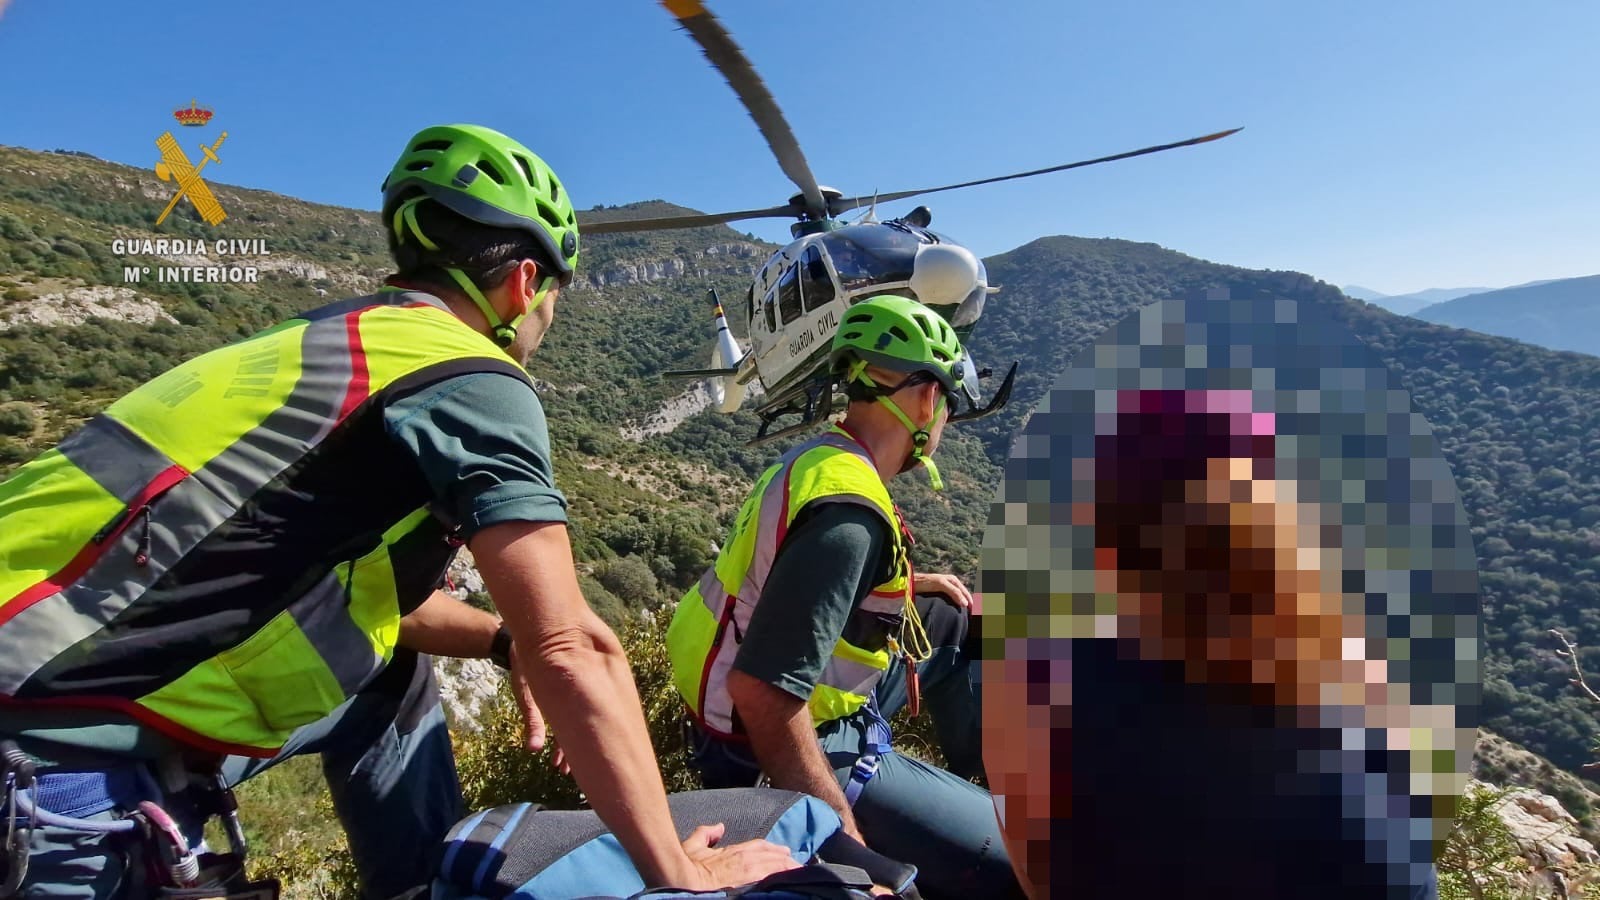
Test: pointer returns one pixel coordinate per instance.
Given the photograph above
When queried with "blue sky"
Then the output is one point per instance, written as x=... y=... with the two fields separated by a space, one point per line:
x=1400 y=146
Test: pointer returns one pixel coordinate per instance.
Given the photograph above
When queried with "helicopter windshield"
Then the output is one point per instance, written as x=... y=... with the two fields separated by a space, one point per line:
x=873 y=253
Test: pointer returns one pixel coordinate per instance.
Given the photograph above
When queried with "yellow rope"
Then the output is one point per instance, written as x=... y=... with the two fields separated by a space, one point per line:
x=913 y=636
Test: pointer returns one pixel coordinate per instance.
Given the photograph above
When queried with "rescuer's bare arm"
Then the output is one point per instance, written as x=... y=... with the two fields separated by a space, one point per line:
x=577 y=668
x=445 y=626
x=785 y=743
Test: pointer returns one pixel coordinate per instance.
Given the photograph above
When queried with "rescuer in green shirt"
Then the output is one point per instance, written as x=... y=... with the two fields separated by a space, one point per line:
x=238 y=562
x=811 y=629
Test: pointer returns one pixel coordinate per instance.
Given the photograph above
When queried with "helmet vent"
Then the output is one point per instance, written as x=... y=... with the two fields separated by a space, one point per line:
x=431 y=145
x=897 y=332
x=550 y=217
x=489 y=170
x=858 y=317
x=525 y=166
x=555 y=191
x=418 y=165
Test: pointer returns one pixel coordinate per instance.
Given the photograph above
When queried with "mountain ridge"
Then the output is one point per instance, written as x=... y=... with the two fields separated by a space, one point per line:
x=1559 y=314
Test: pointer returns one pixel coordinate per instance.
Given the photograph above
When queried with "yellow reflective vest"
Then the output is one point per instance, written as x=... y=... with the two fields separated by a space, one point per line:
x=225 y=553
x=711 y=619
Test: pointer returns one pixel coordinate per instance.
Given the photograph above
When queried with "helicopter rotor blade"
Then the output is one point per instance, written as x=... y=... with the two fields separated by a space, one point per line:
x=725 y=55
x=844 y=205
x=617 y=226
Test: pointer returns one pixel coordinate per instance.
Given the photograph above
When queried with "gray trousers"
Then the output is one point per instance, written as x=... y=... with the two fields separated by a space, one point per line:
x=910 y=811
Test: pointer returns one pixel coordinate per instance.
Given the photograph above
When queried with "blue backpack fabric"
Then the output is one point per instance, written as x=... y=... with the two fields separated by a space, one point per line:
x=525 y=852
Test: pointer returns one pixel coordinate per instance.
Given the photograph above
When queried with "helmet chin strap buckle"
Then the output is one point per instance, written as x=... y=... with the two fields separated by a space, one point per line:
x=919 y=439
x=504 y=332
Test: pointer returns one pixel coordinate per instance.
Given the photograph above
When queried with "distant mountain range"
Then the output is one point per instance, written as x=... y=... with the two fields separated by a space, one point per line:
x=1561 y=315
x=1409 y=304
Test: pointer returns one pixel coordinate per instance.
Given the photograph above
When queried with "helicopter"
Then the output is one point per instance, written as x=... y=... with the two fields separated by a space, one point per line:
x=804 y=290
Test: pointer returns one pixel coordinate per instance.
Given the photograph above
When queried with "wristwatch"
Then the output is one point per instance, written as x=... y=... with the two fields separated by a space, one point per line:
x=500 y=648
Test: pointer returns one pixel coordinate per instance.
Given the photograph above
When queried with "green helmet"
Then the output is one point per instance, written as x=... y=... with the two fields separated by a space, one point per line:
x=902 y=335
x=482 y=175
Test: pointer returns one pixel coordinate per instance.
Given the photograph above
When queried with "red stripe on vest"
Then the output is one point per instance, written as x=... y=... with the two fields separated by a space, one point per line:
x=783 y=513
x=705 y=672
x=356 y=393
x=146 y=717
x=92 y=551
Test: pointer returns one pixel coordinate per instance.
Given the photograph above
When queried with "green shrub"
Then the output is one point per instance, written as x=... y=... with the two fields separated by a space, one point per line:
x=1481 y=853
x=17 y=420
x=14 y=229
x=13 y=452
x=69 y=248
x=495 y=769
x=605 y=604
x=631 y=580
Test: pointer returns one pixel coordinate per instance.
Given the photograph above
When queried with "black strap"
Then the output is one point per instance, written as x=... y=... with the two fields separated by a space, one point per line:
x=843 y=850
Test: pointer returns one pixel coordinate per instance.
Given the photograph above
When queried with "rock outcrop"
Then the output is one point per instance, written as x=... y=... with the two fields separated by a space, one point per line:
x=1554 y=860
x=737 y=258
x=78 y=305
x=467 y=687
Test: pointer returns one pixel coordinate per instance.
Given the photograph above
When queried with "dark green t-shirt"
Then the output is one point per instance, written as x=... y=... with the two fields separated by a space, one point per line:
x=833 y=556
x=483 y=445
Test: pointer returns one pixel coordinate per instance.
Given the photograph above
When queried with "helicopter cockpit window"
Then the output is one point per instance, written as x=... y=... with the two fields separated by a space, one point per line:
x=750 y=305
x=789 y=295
x=816 y=285
x=864 y=254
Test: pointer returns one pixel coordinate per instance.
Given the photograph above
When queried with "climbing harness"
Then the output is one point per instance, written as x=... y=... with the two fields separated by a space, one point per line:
x=173 y=868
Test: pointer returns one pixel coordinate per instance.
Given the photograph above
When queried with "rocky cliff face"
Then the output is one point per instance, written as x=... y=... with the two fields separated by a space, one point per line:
x=734 y=258
x=467 y=687
x=77 y=305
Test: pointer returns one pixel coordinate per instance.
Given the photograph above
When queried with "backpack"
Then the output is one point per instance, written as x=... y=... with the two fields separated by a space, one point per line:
x=525 y=852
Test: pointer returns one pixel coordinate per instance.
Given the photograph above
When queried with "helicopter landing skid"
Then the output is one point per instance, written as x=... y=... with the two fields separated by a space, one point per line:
x=812 y=401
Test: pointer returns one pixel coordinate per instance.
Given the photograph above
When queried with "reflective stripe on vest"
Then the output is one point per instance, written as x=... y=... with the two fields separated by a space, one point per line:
x=92 y=525
x=710 y=621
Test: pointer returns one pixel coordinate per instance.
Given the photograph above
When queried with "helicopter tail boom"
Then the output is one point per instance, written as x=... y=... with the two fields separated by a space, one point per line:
x=728 y=361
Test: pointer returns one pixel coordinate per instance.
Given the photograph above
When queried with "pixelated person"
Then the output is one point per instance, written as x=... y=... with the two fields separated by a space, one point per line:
x=1233 y=739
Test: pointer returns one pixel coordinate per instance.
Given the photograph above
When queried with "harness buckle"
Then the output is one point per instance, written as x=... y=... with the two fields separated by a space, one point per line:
x=16 y=773
x=866 y=766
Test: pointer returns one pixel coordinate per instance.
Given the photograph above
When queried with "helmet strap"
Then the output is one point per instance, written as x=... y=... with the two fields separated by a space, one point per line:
x=919 y=436
x=505 y=332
